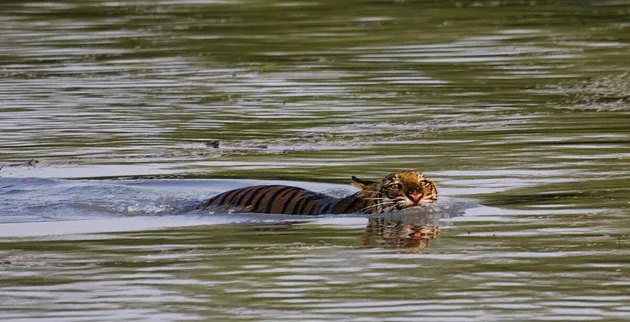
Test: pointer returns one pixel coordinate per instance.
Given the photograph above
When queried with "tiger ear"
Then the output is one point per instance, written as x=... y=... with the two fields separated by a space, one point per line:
x=361 y=184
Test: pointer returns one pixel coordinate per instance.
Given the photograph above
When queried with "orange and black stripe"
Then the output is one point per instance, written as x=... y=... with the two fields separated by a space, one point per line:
x=280 y=199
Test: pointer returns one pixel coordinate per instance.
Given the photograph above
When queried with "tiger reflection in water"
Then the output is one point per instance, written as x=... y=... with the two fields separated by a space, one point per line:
x=393 y=233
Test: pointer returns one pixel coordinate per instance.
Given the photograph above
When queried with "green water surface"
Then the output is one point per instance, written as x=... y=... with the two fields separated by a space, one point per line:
x=521 y=106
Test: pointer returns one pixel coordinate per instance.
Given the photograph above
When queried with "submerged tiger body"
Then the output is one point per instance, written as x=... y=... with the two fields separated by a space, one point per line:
x=280 y=199
x=396 y=191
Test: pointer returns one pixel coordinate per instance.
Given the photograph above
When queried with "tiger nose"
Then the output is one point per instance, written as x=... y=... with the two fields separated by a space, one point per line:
x=415 y=196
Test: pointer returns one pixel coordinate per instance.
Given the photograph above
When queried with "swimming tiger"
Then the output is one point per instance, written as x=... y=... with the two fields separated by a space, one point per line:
x=396 y=191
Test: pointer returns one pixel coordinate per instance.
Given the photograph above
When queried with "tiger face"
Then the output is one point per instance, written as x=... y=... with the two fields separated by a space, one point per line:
x=399 y=190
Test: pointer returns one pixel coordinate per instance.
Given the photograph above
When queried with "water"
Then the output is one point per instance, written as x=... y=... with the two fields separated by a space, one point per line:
x=110 y=112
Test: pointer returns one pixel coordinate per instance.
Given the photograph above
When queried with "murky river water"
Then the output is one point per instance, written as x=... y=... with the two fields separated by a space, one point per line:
x=518 y=110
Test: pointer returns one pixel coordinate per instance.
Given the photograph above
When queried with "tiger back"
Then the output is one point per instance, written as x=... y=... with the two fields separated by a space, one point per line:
x=273 y=199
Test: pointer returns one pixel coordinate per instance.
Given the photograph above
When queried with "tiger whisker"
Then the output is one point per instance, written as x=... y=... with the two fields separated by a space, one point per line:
x=388 y=209
x=370 y=207
x=376 y=205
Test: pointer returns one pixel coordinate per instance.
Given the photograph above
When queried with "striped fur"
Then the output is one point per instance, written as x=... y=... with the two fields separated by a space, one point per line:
x=391 y=193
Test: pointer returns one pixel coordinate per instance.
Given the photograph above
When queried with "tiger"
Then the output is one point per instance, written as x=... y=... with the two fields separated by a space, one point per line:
x=396 y=191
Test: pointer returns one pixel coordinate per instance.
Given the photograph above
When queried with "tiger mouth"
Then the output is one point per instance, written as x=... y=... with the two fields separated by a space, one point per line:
x=427 y=200
x=422 y=201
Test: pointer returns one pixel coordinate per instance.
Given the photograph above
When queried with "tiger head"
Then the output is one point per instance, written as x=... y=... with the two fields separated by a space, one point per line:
x=397 y=191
